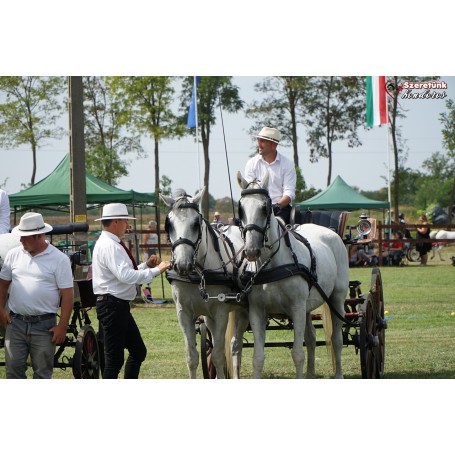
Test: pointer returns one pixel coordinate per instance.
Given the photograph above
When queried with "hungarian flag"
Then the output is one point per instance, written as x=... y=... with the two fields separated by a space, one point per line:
x=376 y=101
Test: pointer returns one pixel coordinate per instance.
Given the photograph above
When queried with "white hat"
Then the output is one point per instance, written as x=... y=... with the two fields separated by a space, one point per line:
x=270 y=134
x=31 y=223
x=115 y=211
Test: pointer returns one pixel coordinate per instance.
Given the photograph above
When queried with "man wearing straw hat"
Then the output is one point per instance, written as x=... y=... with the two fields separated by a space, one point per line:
x=115 y=277
x=282 y=181
x=37 y=276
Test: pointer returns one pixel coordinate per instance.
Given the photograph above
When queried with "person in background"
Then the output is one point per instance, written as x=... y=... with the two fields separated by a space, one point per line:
x=218 y=219
x=4 y=212
x=283 y=178
x=115 y=277
x=150 y=238
x=38 y=278
x=423 y=233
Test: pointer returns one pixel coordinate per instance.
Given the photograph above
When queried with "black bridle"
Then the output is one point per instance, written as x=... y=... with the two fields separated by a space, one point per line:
x=268 y=213
x=181 y=240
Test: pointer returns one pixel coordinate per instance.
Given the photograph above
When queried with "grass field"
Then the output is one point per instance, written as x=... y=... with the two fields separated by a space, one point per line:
x=420 y=338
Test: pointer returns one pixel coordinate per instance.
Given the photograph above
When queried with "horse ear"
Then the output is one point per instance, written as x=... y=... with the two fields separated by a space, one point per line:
x=198 y=196
x=241 y=181
x=167 y=200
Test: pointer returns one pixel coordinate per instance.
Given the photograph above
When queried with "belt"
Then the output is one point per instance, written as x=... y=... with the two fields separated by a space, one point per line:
x=106 y=297
x=30 y=318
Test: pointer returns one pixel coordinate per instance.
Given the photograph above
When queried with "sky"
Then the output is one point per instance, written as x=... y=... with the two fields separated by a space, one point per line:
x=364 y=167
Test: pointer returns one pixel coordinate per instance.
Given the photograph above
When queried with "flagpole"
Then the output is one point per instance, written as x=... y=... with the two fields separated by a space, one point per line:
x=197 y=131
x=388 y=166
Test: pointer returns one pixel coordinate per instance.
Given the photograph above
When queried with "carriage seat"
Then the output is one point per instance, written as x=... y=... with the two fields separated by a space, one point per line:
x=335 y=220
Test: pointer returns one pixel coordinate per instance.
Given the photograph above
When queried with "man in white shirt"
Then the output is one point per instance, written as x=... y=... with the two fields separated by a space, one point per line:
x=281 y=169
x=115 y=275
x=35 y=279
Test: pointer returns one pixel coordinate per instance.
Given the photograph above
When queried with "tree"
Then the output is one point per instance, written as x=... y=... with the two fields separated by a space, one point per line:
x=301 y=191
x=212 y=92
x=30 y=110
x=335 y=109
x=284 y=95
x=448 y=140
x=394 y=87
x=104 y=141
x=144 y=106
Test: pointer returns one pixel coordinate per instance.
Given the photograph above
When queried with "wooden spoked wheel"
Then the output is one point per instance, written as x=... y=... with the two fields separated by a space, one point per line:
x=372 y=330
x=86 y=360
x=208 y=369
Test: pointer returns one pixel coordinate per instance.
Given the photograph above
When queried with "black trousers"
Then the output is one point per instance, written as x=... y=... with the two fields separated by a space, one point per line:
x=283 y=212
x=120 y=332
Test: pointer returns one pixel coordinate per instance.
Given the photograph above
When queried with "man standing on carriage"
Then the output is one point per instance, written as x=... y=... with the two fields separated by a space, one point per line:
x=281 y=169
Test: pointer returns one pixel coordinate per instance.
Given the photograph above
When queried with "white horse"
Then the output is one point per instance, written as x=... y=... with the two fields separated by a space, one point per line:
x=441 y=236
x=284 y=289
x=203 y=279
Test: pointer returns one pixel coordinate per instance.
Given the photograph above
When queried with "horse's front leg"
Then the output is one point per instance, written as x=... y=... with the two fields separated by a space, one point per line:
x=218 y=330
x=189 y=336
x=241 y=324
x=258 y=322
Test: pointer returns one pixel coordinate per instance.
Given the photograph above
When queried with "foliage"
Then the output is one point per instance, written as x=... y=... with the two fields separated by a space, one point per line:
x=144 y=106
x=212 y=92
x=335 y=112
x=301 y=191
x=281 y=107
x=104 y=139
x=29 y=112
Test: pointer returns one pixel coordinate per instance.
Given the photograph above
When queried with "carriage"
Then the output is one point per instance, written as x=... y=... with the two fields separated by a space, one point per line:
x=86 y=362
x=226 y=282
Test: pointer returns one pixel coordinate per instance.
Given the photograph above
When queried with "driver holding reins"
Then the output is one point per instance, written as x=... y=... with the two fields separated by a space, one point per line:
x=281 y=169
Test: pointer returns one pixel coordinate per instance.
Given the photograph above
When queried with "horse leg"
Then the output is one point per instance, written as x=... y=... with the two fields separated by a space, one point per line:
x=258 y=326
x=310 y=343
x=189 y=337
x=337 y=343
x=297 y=351
x=241 y=324
x=218 y=330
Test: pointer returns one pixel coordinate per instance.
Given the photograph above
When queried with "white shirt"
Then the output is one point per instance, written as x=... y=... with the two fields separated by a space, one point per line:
x=282 y=180
x=113 y=272
x=36 y=280
x=4 y=213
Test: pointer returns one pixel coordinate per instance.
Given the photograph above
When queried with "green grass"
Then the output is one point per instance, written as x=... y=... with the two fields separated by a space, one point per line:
x=420 y=338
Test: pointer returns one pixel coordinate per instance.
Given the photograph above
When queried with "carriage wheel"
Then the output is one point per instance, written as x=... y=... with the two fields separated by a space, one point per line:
x=412 y=255
x=372 y=330
x=86 y=360
x=208 y=369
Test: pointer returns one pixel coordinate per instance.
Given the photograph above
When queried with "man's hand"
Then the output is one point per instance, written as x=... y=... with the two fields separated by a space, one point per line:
x=153 y=261
x=58 y=334
x=5 y=318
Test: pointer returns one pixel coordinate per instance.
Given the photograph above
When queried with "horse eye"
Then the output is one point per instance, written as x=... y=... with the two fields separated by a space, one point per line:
x=264 y=208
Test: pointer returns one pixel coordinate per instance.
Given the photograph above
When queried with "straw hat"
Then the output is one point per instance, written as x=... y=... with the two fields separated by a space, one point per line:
x=270 y=134
x=115 y=211
x=31 y=223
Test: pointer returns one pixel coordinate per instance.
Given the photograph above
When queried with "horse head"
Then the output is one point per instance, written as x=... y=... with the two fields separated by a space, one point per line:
x=183 y=226
x=255 y=213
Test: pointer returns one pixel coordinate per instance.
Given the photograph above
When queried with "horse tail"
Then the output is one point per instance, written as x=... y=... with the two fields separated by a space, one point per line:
x=328 y=330
x=230 y=330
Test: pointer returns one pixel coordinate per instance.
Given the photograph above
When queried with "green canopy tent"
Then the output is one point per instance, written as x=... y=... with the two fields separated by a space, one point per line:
x=340 y=196
x=54 y=190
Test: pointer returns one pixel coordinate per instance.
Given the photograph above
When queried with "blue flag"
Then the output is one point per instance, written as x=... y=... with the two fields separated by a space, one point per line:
x=191 y=123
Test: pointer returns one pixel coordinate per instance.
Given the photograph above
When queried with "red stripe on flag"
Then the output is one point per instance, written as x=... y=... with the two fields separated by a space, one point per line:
x=382 y=101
